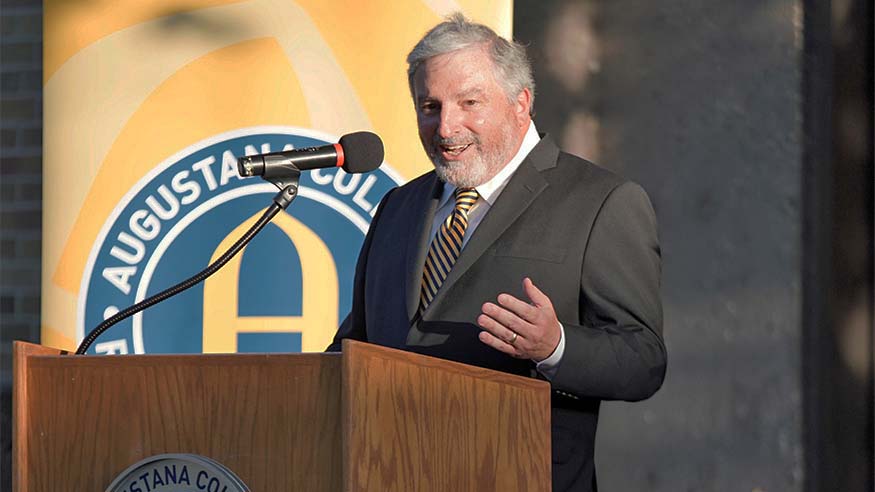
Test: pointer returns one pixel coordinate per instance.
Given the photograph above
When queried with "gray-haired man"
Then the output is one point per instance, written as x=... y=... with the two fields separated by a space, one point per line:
x=512 y=255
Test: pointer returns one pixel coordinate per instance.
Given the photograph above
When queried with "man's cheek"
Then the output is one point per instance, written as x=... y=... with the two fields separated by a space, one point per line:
x=424 y=137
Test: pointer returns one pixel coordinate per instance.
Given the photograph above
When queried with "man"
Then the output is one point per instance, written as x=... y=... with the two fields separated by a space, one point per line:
x=512 y=255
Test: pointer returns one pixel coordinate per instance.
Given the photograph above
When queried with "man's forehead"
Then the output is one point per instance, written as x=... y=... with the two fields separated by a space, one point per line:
x=465 y=75
x=475 y=53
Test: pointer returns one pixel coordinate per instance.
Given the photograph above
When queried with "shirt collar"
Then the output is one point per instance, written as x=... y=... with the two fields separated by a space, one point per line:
x=490 y=190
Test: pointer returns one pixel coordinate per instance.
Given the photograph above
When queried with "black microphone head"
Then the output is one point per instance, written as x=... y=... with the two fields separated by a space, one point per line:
x=362 y=152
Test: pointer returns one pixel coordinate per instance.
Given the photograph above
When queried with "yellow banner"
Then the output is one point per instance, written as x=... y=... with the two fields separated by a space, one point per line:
x=146 y=107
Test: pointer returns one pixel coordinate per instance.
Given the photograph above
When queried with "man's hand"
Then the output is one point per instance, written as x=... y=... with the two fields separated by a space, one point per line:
x=526 y=330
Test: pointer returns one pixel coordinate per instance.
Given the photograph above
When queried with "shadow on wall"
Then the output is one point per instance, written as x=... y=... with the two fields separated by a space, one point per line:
x=699 y=102
x=566 y=54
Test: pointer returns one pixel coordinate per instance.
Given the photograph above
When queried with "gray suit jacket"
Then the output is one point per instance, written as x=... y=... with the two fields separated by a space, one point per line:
x=583 y=235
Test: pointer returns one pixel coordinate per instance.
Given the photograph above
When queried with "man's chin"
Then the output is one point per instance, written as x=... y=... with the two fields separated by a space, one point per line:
x=459 y=174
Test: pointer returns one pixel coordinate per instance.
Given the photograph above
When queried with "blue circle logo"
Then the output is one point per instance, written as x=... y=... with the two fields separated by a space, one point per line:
x=286 y=291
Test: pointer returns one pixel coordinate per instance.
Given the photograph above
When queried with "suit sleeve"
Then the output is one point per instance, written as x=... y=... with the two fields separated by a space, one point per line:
x=618 y=352
x=354 y=326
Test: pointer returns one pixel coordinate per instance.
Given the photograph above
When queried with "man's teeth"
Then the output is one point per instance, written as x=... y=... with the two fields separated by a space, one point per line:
x=455 y=149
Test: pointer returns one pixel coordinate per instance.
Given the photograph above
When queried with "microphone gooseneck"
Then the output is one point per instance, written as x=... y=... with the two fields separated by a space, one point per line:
x=280 y=202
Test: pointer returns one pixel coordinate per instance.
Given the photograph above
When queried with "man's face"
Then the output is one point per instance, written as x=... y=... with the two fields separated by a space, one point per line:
x=467 y=125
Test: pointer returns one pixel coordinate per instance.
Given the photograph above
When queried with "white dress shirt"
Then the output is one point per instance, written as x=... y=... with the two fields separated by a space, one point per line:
x=489 y=192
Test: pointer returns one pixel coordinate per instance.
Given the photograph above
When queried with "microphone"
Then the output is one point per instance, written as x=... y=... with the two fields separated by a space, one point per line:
x=357 y=152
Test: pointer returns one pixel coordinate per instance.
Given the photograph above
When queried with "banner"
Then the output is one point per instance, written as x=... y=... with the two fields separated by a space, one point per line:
x=147 y=106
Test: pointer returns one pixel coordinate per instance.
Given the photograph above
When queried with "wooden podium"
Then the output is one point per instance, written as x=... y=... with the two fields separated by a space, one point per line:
x=369 y=419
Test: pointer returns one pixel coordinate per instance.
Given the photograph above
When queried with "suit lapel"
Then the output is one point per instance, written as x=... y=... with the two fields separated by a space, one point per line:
x=522 y=189
x=417 y=249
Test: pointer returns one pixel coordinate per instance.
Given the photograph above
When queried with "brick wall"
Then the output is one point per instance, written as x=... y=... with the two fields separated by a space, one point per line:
x=20 y=193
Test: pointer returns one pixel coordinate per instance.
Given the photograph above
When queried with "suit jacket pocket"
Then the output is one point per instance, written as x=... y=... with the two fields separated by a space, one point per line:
x=532 y=251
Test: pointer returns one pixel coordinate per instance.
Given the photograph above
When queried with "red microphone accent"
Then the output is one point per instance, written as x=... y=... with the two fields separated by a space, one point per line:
x=339 y=150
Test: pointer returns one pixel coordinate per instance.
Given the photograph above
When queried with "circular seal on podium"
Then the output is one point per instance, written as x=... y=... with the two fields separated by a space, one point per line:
x=177 y=473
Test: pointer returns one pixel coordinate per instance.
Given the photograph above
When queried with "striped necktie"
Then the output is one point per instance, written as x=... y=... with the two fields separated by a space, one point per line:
x=446 y=246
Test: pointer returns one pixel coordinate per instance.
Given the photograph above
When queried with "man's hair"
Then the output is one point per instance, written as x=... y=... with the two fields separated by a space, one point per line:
x=513 y=71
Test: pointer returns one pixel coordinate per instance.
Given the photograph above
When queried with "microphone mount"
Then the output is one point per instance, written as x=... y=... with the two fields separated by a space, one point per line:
x=281 y=175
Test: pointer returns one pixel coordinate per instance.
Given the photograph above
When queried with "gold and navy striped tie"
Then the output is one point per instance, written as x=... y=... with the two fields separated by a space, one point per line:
x=446 y=246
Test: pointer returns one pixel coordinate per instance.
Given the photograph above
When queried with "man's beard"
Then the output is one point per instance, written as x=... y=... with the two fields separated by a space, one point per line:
x=473 y=171
x=466 y=173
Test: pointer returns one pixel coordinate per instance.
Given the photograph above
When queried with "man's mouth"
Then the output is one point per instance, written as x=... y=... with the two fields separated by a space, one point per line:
x=453 y=150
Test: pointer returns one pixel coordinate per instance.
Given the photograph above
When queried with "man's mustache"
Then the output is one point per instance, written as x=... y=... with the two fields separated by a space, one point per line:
x=457 y=140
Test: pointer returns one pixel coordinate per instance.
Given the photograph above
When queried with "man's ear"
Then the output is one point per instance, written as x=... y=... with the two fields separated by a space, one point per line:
x=523 y=107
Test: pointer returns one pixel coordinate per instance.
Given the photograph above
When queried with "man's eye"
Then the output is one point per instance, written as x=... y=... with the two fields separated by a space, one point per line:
x=428 y=108
x=471 y=102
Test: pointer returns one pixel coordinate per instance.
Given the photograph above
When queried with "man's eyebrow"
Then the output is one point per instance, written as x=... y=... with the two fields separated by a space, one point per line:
x=474 y=91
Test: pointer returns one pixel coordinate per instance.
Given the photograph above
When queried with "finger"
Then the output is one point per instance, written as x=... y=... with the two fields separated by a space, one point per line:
x=537 y=297
x=498 y=344
x=507 y=318
x=519 y=307
x=498 y=330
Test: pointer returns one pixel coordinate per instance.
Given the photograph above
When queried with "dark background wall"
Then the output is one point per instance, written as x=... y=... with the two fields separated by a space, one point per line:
x=21 y=72
x=700 y=103
x=731 y=115
x=838 y=248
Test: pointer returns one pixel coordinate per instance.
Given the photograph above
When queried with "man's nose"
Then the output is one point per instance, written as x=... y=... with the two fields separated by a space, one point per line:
x=450 y=123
